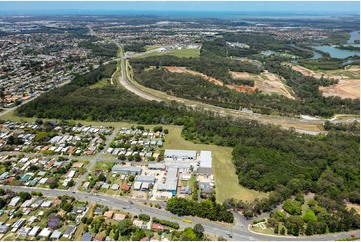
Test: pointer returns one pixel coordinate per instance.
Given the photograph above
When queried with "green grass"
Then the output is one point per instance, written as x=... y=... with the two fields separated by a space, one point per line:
x=103 y=165
x=102 y=83
x=178 y=53
x=152 y=47
x=226 y=180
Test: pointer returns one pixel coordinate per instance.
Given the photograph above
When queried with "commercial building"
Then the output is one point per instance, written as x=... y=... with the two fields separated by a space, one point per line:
x=134 y=170
x=205 y=165
x=180 y=154
x=171 y=182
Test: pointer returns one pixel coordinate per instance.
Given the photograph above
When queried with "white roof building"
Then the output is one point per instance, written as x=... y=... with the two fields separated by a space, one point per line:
x=180 y=154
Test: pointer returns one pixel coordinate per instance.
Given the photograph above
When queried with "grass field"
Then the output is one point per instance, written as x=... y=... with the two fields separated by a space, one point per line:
x=152 y=47
x=226 y=180
x=179 y=53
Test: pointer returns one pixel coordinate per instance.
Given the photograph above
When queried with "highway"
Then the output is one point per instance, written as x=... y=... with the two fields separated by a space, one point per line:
x=239 y=230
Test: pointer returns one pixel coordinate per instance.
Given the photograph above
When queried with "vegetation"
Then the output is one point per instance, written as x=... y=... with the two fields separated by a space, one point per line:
x=205 y=209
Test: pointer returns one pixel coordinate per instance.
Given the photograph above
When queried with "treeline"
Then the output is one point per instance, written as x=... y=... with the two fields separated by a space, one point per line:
x=205 y=209
x=213 y=66
x=136 y=47
x=171 y=224
x=100 y=49
x=257 y=42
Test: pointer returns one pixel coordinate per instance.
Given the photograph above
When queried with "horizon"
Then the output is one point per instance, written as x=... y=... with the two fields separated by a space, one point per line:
x=291 y=7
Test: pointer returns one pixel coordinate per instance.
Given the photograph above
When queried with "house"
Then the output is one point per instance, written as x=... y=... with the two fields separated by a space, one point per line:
x=99 y=238
x=45 y=233
x=98 y=211
x=158 y=227
x=24 y=231
x=87 y=237
x=56 y=235
x=78 y=210
x=134 y=170
x=138 y=223
x=125 y=187
x=37 y=203
x=109 y=214
x=119 y=217
x=78 y=165
x=3 y=229
x=34 y=231
x=46 y=204
x=14 y=201
x=70 y=174
x=115 y=187
x=137 y=185
x=4 y=175
x=86 y=185
x=69 y=232
x=105 y=186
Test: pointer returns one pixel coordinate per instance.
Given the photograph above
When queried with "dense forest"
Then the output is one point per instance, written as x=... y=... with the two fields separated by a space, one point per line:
x=309 y=98
x=266 y=157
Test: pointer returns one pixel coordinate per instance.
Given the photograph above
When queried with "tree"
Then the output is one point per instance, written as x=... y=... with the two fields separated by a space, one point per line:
x=309 y=216
x=102 y=177
x=116 y=235
x=292 y=207
x=198 y=229
x=53 y=185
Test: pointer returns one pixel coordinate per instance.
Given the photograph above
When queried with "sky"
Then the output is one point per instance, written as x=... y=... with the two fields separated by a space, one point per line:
x=243 y=6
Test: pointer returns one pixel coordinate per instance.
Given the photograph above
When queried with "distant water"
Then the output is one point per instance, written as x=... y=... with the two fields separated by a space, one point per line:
x=173 y=14
x=336 y=53
x=355 y=35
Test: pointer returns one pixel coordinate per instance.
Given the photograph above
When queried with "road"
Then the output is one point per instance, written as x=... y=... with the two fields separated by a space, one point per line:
x=239 y=232
x=94 y=160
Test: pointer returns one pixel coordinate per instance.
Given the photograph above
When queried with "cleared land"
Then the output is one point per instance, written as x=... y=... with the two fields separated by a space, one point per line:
x=266 y=82
x=178 y=69
x=347 y=87
x=179 y=53
x=226 y=180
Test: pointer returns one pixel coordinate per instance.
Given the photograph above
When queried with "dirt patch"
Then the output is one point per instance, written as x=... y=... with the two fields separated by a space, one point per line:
x=348 y=81
x=241 y=88
x=266 y=82
x=344 y=89
x=185 y=70
x=355 y=206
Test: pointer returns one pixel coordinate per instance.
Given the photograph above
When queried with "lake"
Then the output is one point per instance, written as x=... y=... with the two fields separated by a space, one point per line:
x=355 y=35
x=336 y=53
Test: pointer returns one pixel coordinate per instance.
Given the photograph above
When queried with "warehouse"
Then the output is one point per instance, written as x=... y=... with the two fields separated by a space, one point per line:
x=180 y=154
x=134 y=170
x=205 y=166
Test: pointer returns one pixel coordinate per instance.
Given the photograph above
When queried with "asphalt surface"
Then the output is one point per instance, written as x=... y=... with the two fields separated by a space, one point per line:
x=239 y=230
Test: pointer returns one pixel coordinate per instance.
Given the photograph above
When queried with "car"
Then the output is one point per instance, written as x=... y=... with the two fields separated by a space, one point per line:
x=73 y=191
x=124 y=207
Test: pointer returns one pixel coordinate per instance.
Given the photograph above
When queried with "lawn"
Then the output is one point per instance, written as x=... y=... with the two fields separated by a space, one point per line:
x=226 y=180
x=178 y=53
x=103 y=165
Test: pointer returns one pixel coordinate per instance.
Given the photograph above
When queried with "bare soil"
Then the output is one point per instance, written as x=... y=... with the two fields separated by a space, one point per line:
x=347 y=87
x=267 y=82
